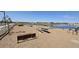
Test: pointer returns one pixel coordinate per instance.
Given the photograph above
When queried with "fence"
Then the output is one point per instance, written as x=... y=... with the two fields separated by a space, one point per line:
x=5 y=29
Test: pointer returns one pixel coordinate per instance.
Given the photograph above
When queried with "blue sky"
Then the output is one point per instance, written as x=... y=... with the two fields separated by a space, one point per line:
x=44 y=16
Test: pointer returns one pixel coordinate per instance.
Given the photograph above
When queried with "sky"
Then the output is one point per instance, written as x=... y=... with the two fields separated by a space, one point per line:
x=43 y=16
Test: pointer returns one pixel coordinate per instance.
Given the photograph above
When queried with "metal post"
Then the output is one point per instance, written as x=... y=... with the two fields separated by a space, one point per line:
x=4 y=18
x=3 y=15
x=8 y=25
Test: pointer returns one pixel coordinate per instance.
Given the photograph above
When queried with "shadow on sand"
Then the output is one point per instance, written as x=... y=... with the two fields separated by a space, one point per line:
x=25 y=40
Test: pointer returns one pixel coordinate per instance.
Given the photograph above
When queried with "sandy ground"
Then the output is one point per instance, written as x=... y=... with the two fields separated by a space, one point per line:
x=58 y=38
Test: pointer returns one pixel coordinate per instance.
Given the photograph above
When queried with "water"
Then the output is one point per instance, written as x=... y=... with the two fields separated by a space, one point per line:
x=63 y=26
